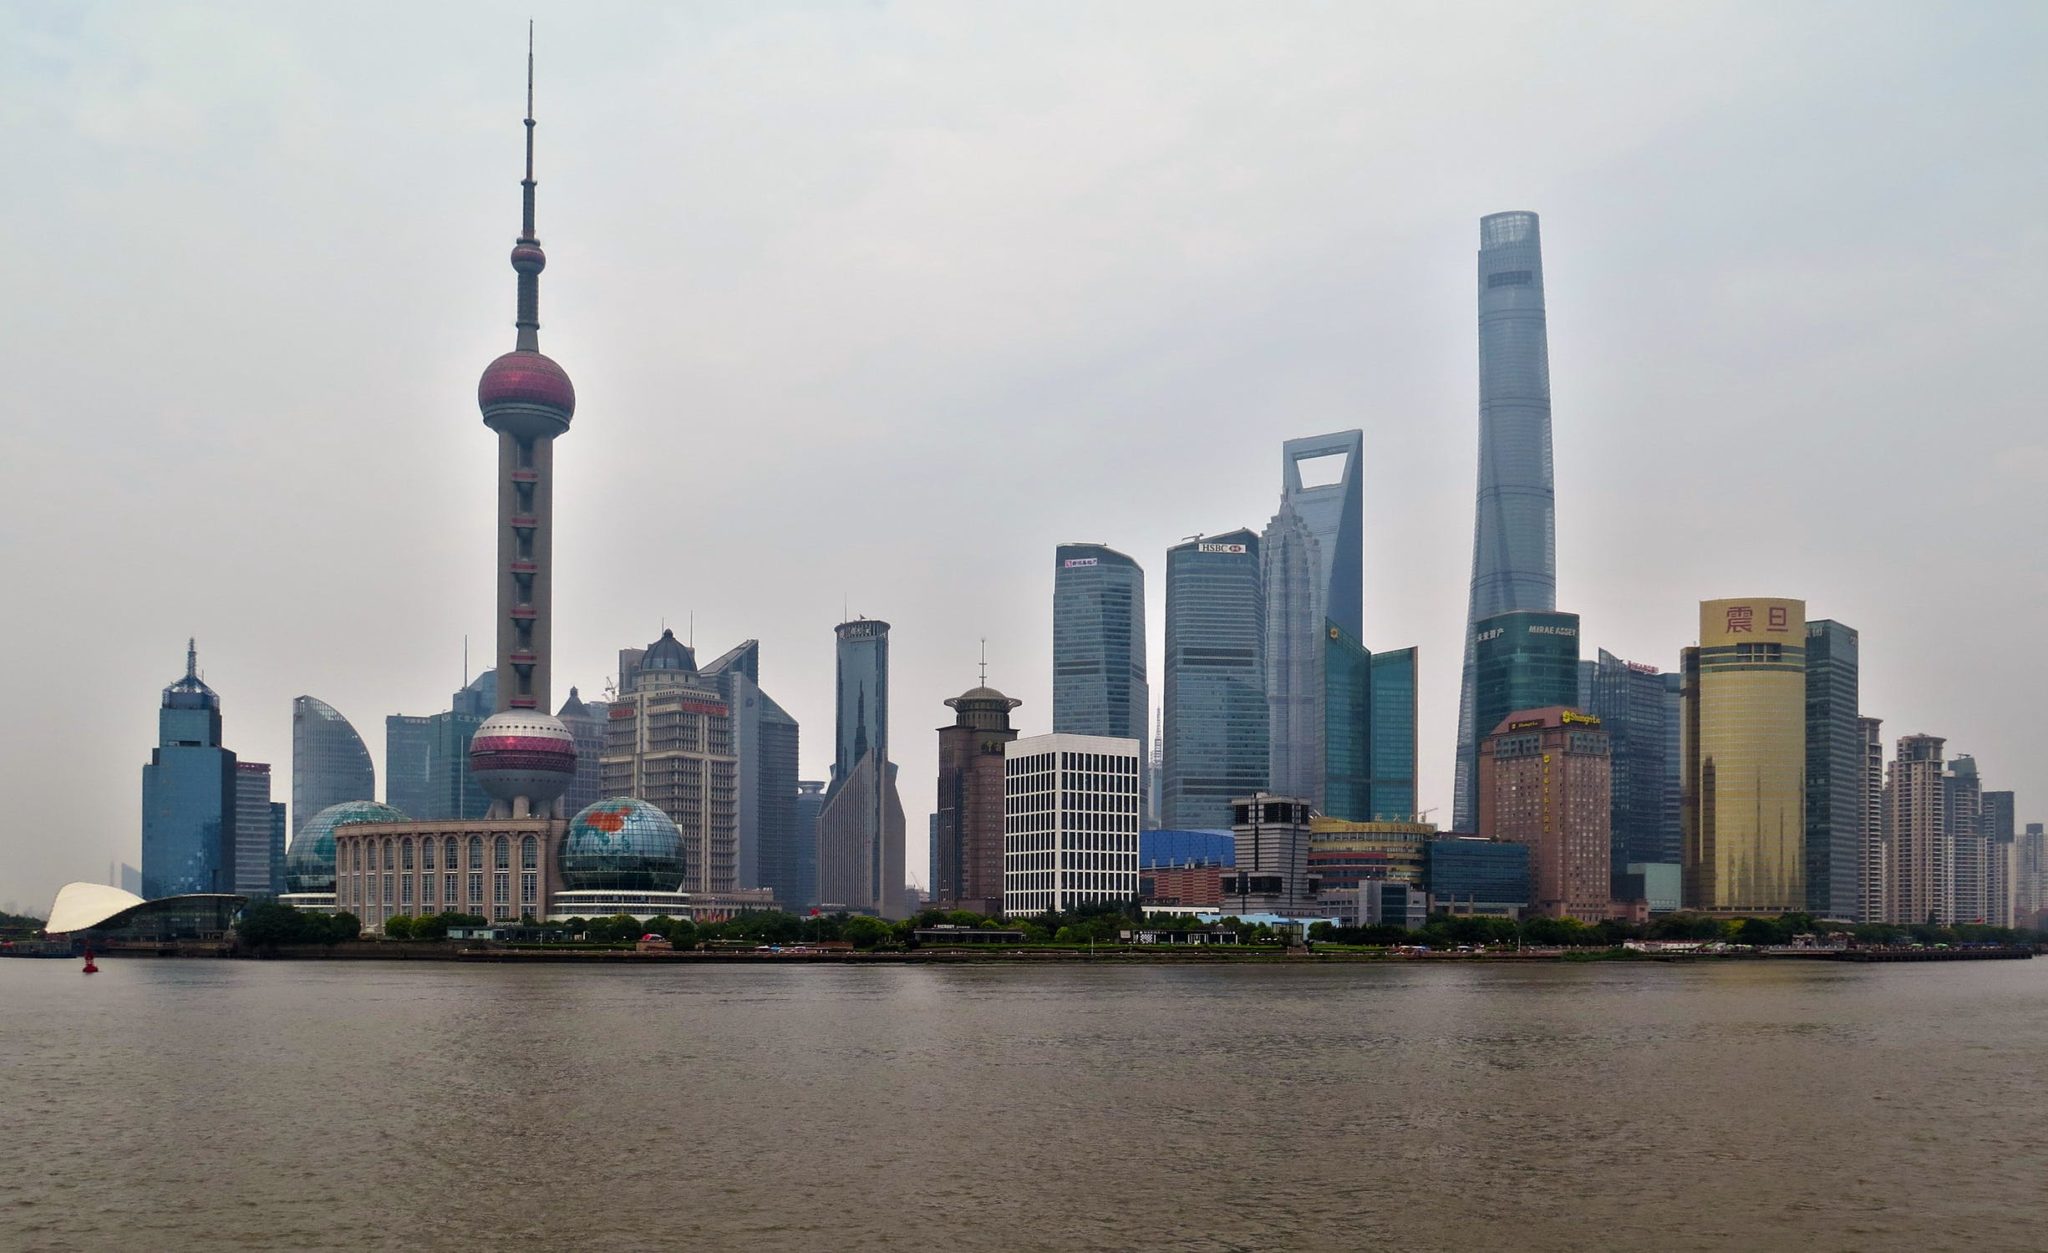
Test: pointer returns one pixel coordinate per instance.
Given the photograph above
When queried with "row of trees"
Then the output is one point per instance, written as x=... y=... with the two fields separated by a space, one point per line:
x=268 y=925
x=429 y=926
x=1444 y=931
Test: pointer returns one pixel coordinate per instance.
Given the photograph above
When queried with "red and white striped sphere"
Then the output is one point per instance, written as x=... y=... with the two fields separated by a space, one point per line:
x=523 y=753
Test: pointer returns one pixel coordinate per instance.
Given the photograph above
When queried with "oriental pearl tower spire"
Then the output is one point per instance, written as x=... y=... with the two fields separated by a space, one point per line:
x=523 y=756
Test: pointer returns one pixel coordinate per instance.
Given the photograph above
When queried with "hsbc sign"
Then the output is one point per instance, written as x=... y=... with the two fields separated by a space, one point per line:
x=1219 y=548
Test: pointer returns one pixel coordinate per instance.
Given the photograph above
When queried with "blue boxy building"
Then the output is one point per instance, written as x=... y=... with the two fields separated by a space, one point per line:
x=1167 y=847
x=1469 y=875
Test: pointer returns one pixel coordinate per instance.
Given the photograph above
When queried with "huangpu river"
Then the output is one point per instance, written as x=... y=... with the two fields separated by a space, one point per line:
x=198 y=1104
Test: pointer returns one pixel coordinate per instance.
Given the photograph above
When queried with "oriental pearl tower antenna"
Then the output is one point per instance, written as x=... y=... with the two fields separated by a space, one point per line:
x=522 y=755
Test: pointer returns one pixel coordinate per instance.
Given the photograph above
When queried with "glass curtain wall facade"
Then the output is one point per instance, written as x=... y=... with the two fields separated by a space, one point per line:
x=330 y=763
x=1098 y=643
x=188 y=794
x=1834 y=772
x=1744 y=729
x=1347 y=674
x=1514 y=537
x=1522 y=660
x=1396 y=682
x=1638 y=706
x=1216 y=717
x=252 y=870
x=1299 y=683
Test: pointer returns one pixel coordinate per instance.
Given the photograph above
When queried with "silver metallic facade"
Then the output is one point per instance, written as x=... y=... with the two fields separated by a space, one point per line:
x=1514 y=538
x=330 y=763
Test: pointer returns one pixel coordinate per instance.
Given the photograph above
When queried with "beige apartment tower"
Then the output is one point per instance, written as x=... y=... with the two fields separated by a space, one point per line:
x=1742 y=758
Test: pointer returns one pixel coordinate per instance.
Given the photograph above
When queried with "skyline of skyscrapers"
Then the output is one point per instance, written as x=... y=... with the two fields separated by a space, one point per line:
x=1514 y=532
x=1217 y=720
x=1522 y=659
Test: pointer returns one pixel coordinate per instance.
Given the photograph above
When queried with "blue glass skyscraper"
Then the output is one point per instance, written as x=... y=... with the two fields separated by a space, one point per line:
x=1514 y=545
x=329 y=762
x=188 y=794
x=1216 y=717
x=1098 y=643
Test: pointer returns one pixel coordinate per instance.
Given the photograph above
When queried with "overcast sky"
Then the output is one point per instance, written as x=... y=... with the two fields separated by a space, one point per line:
x=873 y=304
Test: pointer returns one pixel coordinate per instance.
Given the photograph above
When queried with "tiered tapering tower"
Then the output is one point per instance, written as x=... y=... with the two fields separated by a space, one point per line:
x=523 y=756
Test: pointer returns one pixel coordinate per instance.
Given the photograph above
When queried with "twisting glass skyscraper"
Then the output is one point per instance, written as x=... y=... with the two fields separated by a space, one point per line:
x=1514 y=539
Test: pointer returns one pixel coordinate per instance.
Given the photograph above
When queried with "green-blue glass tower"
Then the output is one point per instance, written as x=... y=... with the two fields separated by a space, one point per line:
x=188 y=794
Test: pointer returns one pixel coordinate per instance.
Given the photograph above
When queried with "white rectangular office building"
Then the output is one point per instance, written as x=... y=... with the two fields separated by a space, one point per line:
x=1070 y=822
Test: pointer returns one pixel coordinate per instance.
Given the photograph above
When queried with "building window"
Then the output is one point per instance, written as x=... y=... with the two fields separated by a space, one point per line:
x=426 y=854
x=476 y=890
x=529 y=888
x=502 y=851
x=387 y=889
x=529 y=854
x=448 y=850
x=476 y=854
x=501 y=889
x=405 y=854
x=448 y=893
x=387 y=854
x=405 y=890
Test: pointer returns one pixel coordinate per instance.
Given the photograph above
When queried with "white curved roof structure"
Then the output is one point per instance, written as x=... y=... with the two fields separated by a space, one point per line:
x=82 y=905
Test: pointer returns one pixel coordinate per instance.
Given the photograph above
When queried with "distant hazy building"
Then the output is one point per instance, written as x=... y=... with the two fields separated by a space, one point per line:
x=1744 y=747
x=669 y=741
x=1545 y=780
x=255 y=856
x=427 y=773
x=1996 y=821
x=329 y=762
x=765 y=736
x=188 y=794
x=1070 y=825
x=1917 y=847
x=1270 y=874
x=587 y=722
x=1216 y=714
x=2030 y=876
x=1873 y=895
x=1962 y=798
x=1300 y=645
x=1514 y=535
x=1834 y=772
x=967 y=827
x=1098 y=643
x=810 y=800
x=860 y=828
x=1638 y=707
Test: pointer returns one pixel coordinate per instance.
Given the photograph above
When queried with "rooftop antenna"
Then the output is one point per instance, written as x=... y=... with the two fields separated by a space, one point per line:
x=984 y=661
x=191 y=657
x=693 y=629
x=465 y=659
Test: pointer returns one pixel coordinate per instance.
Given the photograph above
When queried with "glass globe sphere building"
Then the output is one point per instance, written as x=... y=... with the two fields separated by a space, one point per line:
x=309 y=864
x=622 y=844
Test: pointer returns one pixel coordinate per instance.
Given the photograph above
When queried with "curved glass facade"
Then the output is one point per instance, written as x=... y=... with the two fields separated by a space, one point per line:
x=621 y=843
x=309 y=866
x=329 y=761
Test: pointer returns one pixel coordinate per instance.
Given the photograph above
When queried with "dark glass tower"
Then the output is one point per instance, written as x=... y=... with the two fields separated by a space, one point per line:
x=860 y=827
x=1638 y=707
x=188 y=794
x=1216 y=716
x=1514 y=546
x=1396 y=684
x=1098 y=643
x=1834 y=772
x=765 y=738
x=1523 y=660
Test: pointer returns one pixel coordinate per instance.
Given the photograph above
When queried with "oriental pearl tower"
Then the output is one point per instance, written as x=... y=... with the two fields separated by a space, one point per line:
x=522 y=756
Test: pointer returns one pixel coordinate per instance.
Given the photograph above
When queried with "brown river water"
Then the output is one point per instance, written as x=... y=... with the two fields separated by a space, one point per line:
x=165 y=1104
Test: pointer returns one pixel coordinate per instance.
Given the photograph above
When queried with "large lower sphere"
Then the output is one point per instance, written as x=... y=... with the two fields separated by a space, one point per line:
x=518 y=753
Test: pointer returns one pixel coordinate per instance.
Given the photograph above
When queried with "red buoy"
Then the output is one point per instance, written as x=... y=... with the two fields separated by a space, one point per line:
x=89 y=967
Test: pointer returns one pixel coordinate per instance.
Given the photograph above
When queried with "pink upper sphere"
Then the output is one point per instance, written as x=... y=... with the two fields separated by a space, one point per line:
x=526 y=378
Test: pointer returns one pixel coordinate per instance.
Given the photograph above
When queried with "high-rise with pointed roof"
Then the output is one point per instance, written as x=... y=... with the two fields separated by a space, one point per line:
x=1514 y=536
x=188 y=794
x=860 y=829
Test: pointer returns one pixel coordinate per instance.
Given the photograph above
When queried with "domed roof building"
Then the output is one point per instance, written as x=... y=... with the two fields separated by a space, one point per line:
x=309 y=863
x=622 y=844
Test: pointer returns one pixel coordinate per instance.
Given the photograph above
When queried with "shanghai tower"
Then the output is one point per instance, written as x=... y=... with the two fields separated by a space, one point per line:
x=1514 y=538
